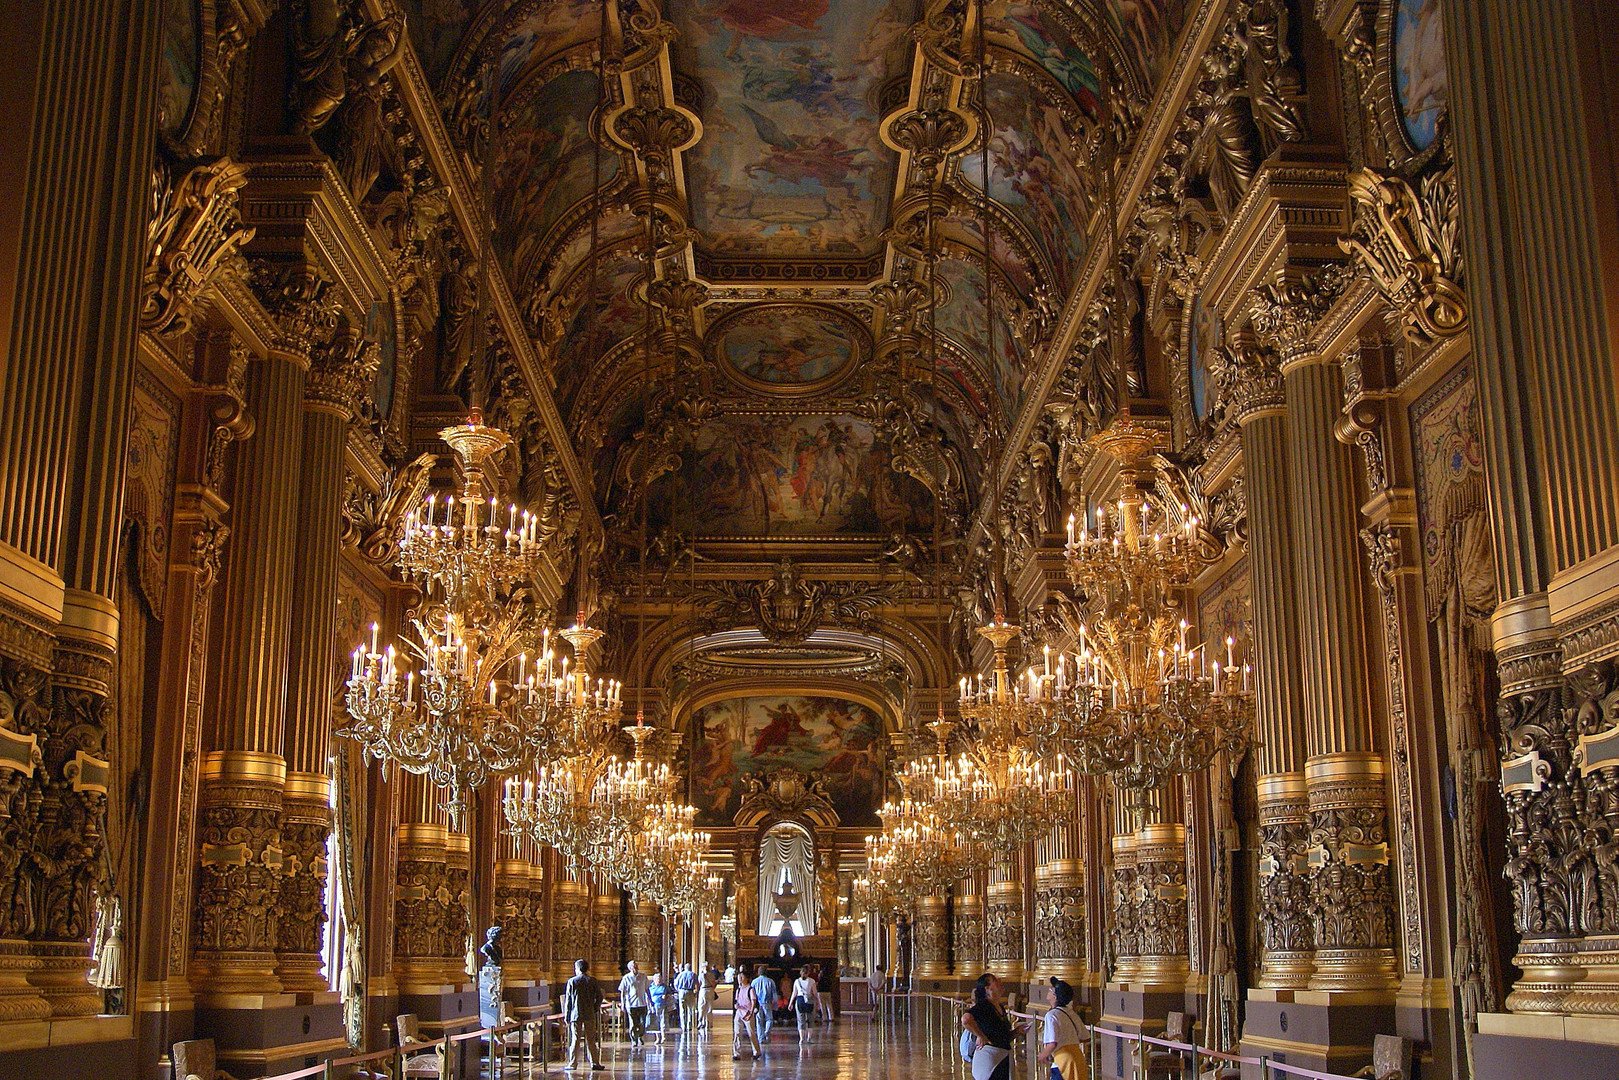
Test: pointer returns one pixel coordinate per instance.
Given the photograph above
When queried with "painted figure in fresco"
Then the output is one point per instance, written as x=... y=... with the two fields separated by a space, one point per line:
x=767 y=20
x=778 y=734
x=796 y=158
x=802 y=75
x=1054 y=52
x=712 y=767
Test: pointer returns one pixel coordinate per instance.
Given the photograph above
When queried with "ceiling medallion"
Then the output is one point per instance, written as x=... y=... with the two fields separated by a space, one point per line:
x=788 y=350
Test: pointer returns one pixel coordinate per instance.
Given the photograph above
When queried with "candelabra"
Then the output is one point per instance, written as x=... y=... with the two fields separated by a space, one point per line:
x=915 y=855
x=1141 y=706
x=448 y=701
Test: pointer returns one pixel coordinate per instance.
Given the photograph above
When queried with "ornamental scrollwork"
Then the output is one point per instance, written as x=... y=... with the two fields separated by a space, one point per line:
x=786 y=608
x=196 y=232
x=1407 y=240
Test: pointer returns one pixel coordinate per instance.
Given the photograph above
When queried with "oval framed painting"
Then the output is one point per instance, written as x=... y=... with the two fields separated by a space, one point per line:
x=788 y=349
x=1421 y=81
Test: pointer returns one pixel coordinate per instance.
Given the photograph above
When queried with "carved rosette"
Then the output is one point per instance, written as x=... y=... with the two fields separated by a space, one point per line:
x=1286 y=929
x=1124 y=933
x=306 y=823
x=931 y=937
x=1160 y=901
x=1351 y=889
x=1003 y=929
x=570 y=928
x=241 y=866
x=967 y=927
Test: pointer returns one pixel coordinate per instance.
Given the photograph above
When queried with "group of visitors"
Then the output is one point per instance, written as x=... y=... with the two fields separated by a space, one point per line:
x=989 y=1031
x=757 y=998
x=648 y=1002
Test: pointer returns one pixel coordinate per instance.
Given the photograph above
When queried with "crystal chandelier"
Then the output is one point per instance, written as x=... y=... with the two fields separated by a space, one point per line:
x=1141 y=705
x=448 y=701
x=915 y=855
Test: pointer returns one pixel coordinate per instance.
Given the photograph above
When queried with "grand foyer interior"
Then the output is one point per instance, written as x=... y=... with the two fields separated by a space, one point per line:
x=783 y=348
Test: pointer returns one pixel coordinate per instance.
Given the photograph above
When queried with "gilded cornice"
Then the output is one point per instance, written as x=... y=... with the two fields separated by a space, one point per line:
x=300 y=208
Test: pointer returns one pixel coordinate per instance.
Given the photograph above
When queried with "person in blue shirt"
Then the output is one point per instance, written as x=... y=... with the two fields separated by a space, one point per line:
x=686 y=988
x=658 y=993
x=764 y=992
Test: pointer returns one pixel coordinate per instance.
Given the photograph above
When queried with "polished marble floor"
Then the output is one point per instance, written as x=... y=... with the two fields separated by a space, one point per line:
x=852 y=1048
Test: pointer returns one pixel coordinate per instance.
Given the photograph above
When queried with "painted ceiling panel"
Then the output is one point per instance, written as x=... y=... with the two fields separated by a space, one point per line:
x=790 y=161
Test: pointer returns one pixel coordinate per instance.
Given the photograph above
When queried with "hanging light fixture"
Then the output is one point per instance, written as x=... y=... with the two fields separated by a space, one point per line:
x=448 y=701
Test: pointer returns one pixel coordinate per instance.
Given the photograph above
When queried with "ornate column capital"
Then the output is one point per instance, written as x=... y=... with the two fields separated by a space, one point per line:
x=300 y=299
x=1247 y=381
x=342 y=369
x=1284 y=312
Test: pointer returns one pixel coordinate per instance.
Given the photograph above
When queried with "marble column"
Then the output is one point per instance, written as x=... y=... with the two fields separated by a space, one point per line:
x=931 y=937
x=1059 y=903
x=1285 y=932
x=1351 y=890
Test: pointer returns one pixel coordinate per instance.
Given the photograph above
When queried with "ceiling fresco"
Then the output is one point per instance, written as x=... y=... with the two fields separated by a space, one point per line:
x=790 y=161
x=788 y=348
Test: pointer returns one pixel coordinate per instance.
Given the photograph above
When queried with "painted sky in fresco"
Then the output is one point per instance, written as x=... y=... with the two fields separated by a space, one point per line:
x=790 y=158
x=829 y=739
x=786 y=346
x=778 y=475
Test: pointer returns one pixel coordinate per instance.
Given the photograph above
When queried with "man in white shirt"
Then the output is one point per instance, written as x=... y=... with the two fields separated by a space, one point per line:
x=878 y=982
x=632 y=996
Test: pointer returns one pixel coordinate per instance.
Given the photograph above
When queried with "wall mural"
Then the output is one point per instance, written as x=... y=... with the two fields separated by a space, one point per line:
x=436 y=29
x=1421 y=80
x=790 y=161
x=178 y=70
x=776 y=475
x=1032 y=172
x=548 y=29
x=834 y=740
x=788 y=346
x=1449 y=459
x=1031 y=30
x=1150 y=30
x=544 y=165
x=961 y=318
x=1224 y=609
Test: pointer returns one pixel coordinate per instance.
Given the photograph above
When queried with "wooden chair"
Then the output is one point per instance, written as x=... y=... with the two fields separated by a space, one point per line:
x=194 y=1060
x=1391 y=1058
x=430 y=1063
x=1162 y=1064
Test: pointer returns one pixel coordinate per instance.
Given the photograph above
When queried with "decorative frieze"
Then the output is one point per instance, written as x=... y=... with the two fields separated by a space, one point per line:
x=1286 y=929
x=1351 y=891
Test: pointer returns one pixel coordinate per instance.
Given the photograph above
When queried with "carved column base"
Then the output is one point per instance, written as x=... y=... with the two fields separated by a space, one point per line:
x=1124 y=937
x=1059 y=920
x=931 y=930
x=19 y=998
x=458 y=925
x=644 y=919
x=62 y=977
x=1003 y=930
x=1286 y=935
x=234 y=926
x=969 y=935
x=1554 y=973
x=306 y=824
x=570 y=929
x=604 y=937
x=1352 y=894
x=1163 y=959
x=422 y=908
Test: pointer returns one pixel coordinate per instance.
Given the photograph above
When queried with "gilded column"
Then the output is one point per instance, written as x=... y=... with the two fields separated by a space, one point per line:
x=423 y=897
x=604 y=930
x=1286 y=937
x=931 y=937
x=1003 y=918
x=645 y=919
x=513 y=912
x=1352 y=896
x=967 y=928
x=1059 y=904
x=457 y=940
x=570 y=923
x=1163 y=956
x=341 y=369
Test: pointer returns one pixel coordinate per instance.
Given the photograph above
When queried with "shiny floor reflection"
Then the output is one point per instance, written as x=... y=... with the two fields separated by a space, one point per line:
x=852 y=1048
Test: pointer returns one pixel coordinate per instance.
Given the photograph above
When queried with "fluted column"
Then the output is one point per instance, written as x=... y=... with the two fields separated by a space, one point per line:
x=1059 y=903
x=931 y=937
x=1285 y=931
x=236 y=927
x=967 y=928
x=1003 y=918
x=340 y=371
x=1351 y=891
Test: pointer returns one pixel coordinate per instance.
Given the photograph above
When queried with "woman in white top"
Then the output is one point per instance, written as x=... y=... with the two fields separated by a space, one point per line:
x=744 y=1009
x=1064 y=1038
x=804 y=998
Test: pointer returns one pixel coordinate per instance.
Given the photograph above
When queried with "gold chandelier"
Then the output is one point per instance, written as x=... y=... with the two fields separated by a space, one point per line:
x=915 y=855
x=448 y=701
x=1142 y=706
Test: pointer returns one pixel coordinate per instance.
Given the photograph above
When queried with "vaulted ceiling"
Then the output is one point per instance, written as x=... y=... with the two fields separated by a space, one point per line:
x=809 y=168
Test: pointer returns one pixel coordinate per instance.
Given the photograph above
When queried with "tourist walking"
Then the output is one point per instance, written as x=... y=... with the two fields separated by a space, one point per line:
x=633 y=998
x=581 y=1000
x=823 y=1002
x=744 y=1013
x=803 y=1003
x=765 y=993
x=710 y=991
x=658 y=1002
x=686 y=994
x=877 y=982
